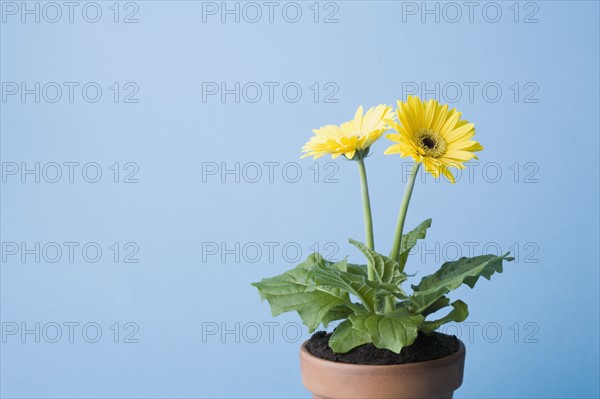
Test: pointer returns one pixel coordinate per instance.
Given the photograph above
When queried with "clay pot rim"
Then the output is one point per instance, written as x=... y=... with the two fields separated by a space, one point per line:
x=304 y=353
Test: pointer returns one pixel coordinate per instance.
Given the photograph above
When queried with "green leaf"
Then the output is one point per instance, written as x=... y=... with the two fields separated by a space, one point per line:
x=336 y=313
x=437 y=305
x=458 y=314
x=386 y=270
x=346 y=337
x=344 y=266
x=293 y=291
x=384 y=289
x=452 y=275
x=409 y=240
x=360 y=270
x=344 y=281
x=392 y=331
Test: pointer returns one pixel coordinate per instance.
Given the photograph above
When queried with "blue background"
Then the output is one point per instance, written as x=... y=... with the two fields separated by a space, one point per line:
x=179 y=289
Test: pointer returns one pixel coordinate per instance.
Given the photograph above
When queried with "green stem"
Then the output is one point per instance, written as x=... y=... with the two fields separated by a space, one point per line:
x=366 y=210
x=395 y=254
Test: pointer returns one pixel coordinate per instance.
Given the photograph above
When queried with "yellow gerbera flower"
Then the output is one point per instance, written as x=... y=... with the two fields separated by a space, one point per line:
x=431 y=134
x=350 y=138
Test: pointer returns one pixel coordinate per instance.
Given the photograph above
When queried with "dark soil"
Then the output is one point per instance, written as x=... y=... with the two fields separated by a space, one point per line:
x=426 y=347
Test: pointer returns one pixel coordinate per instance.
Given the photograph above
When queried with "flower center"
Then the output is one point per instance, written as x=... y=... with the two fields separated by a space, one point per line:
x=428 y=142
x=432 y=143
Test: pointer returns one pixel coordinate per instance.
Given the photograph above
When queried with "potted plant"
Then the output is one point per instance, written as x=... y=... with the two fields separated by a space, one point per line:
x=385 y=345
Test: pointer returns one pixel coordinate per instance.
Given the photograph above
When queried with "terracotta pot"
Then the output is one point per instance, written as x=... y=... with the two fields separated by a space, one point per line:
x=431 y=379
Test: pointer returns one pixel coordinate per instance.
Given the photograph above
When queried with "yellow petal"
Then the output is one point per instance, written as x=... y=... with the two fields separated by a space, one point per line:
x=429 y=113
x=448 y=174
x=448 y=126
x=393 y=149
x=440 y=117
x=461 y=132
x=359 y=113
x=393 y=137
